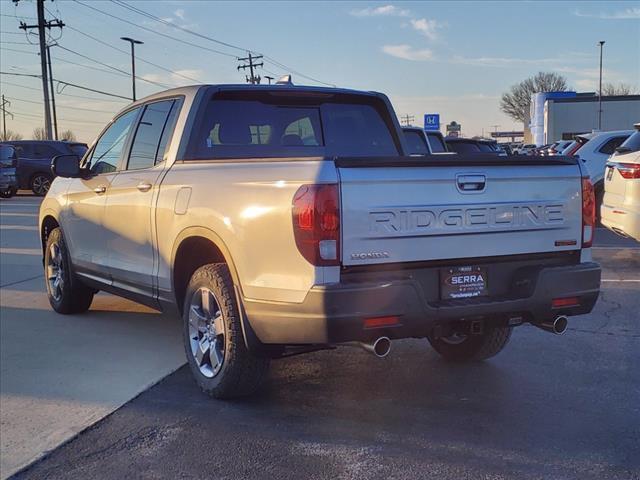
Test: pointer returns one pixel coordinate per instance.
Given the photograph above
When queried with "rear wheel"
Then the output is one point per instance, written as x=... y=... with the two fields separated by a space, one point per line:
x=66 y=293
x=8 y=193
x=462 y=347
x=217 y=355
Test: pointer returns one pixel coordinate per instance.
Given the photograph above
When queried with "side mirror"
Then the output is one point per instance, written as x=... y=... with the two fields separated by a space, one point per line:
x=66 y=166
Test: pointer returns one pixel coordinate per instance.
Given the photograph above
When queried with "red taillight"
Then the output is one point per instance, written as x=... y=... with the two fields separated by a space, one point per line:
x=316 y=223
x=378 y=322
x=628 y=170
x=565 y=302
x=588 y=212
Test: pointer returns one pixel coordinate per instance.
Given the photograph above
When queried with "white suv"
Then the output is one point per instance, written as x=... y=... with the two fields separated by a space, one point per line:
x=621 y=204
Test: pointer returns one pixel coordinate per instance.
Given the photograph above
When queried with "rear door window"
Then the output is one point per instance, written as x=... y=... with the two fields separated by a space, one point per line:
x=144 y=149
x=464 y=147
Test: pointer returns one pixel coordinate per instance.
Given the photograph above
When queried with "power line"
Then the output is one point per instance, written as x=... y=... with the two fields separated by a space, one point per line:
x=21 y=114
x=83 y=97
x=137 y=56
x=116 y=69
x=63 y=106
x=154 y=31
x=66 y=84
x=19 y=51
x=178 y=27
x=220 y=42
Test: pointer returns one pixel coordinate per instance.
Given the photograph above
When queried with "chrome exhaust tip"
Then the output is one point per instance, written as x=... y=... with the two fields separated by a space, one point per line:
x=380 y=347
x=557 y=326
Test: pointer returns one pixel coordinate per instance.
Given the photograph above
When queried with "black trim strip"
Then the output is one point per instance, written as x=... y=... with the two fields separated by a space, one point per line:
x=450 y=161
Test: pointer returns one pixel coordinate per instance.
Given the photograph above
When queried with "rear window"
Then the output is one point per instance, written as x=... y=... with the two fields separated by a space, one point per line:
x=610 y=145
x=416 y=142
x=487 y=147
x=436 y=143
x=631 y=144
x=238 y=128
x=464 y=147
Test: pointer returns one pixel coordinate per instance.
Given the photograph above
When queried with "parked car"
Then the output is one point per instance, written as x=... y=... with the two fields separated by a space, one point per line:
x=8 y=162
x=525 y=149
x=506 y=148
x=558 y=147
x=620 y=210
x=595 y=154
x=579 y=142
x=436 y=142
x=34 y=161
x=472 y=146
x=206 y=201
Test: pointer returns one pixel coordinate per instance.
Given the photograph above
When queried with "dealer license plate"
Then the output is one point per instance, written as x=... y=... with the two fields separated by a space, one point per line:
x=463 y=282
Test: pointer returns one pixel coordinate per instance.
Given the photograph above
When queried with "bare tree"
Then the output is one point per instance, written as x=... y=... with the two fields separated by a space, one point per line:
x=39 y=133
x=68 y=135
x=619 y=89
x=11 y=135
x=515 y=102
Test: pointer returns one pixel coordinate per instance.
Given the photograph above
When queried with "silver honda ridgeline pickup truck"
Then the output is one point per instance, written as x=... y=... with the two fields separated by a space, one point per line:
x=281 y=219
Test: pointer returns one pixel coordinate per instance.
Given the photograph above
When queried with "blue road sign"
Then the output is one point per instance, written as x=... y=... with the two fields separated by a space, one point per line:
x=432 y=121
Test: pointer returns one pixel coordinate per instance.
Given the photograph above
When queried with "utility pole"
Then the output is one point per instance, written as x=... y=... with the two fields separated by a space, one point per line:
x=406 y=120
x=601 y=43
x=133 y=42
x=53 y=96
x=42 y=24
x=4 y=117
x=268 y=78
x=495 y=128
x=251 y=65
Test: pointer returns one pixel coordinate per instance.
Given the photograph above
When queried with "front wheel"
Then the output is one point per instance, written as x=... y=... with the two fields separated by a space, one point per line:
x=463 y=348
x=40 y=184
x=66 y=293
x=217 y=355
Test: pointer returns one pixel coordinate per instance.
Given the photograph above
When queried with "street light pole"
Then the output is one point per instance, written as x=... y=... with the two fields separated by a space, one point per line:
x=133 y=61
x=601 y=43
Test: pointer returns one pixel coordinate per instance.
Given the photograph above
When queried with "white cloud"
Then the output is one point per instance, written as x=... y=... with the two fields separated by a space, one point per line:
x=179 y=13
x=426 y=27
x=383 y=11
x=407 y=52
x=178 y=75
x=627 y=14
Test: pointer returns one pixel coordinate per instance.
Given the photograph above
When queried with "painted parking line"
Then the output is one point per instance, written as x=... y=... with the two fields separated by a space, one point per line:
x=626 y=280
x=615 y=248
x=20 y=251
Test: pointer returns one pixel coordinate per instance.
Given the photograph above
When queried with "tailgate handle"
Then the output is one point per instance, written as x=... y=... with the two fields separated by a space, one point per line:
x=471 y=183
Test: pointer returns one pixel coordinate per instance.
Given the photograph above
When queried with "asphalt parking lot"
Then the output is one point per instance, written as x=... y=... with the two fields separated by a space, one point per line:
x=556 y=407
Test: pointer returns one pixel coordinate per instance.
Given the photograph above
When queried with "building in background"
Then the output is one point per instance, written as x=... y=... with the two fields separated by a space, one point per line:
x=562 y=115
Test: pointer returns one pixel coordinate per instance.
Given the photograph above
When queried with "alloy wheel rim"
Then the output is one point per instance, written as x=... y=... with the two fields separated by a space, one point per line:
x=55 y=271
x=41 y=184
x=206 y=332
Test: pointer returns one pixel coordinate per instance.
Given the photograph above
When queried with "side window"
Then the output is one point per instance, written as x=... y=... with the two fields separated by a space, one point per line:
x=610 y=146
x=169 y=127
x=106 y=153
x=43 y=151
x=416 y=143
x=145 y=146
x=436 y=143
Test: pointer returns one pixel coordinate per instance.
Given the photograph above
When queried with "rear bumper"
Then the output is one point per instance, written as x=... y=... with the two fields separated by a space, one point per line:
x=620 y=220
x=335 y=313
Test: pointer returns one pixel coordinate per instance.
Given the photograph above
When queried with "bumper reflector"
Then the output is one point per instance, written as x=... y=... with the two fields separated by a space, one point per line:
x=377 y=322
x=565 y=302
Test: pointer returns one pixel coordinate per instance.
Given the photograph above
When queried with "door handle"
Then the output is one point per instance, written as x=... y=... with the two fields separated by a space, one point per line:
x=471 y=183
x=144 y=187
x=100 y=189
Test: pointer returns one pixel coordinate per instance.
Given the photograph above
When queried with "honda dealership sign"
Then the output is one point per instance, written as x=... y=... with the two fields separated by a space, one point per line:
x=432 y=121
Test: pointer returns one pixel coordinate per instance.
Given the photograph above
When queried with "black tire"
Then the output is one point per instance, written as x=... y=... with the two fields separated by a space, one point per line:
x=40 y=184
x=8 y=193
x=599 y=196
x=240 y=373
x=73 y=296
x=473 y=347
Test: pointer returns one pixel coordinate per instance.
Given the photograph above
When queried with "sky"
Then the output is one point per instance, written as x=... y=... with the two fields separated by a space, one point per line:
x=451 y=58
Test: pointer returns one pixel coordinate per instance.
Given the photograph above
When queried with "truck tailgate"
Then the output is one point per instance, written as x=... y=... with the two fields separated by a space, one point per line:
x=394 y=213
